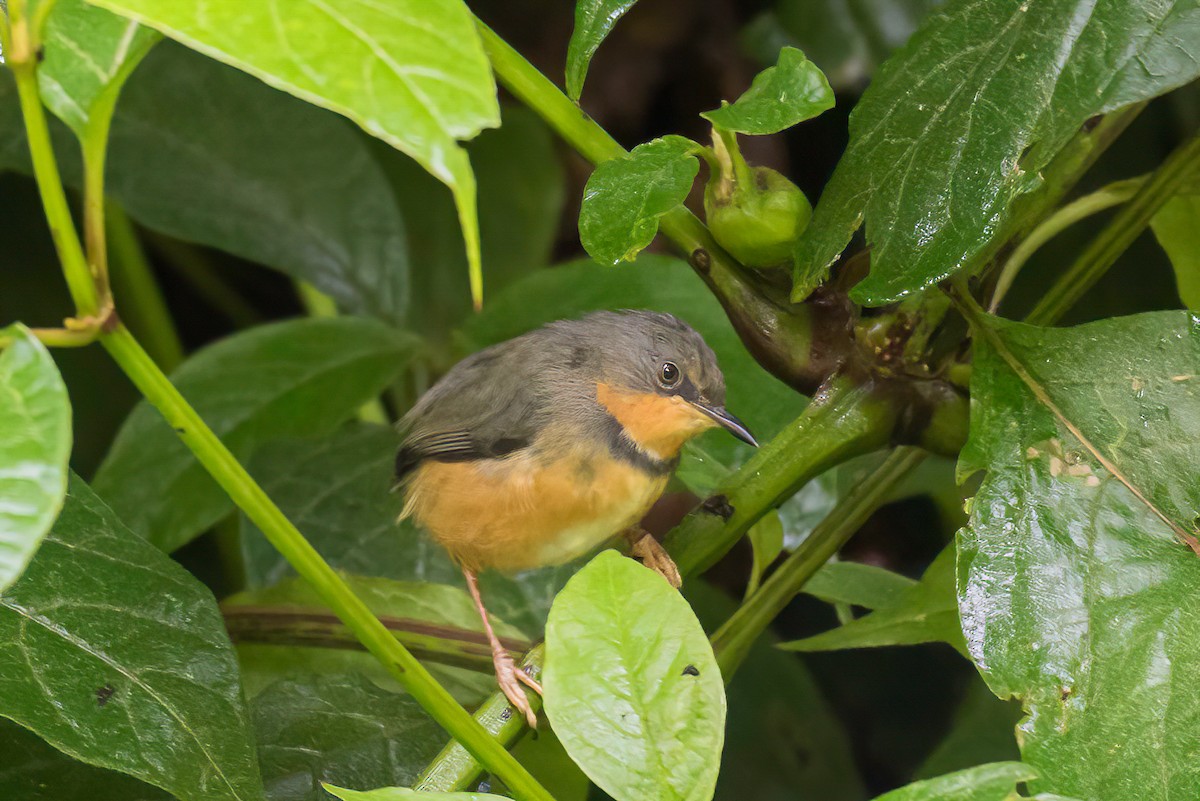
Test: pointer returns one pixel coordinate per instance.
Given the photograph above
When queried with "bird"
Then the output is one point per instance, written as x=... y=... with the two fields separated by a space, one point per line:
x=541 y=449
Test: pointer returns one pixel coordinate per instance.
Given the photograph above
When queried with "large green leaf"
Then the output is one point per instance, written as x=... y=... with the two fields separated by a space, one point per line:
x=594 y=19
x=339 y=729
x=791 y=92
x=925 y=612
x=35 y=444
x=632 y=688
x=117 y=656
x=406 y=794
x=336 y=490
x=625 y=197
x=995 y=782
x=288 y=379
x=34 y=771
x=958 y=125
x=1075 y=592
x=89 y=53
x=1177 y=226
x=411 y=72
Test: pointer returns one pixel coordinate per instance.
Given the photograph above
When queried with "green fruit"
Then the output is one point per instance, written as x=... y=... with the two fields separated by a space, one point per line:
x=758 y=225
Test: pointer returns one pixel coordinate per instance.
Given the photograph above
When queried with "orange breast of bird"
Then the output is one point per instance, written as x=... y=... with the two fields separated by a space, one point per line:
x=528 y=511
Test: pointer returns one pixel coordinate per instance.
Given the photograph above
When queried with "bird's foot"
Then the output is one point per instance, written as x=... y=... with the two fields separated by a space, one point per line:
x=653 y=556
x=510 y=678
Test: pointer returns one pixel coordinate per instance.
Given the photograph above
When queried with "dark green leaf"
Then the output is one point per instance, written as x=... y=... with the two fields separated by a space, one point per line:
x=335 y=490
x=983 y=730
x=632 y=685
x=847 y=39
x=1075 y=592
x=1177 y=226
x=33 y=771
x=927 y=612
x=859 y=585
x=289 y=379
x=766 y=542
x=35 y=444
x=339 y=729
x=958 y=125
x=411 y=72
x=625 y=197
x=995 y=782
x=792 y=91
x=594 y=19
x=88 y=55
x=117 y=656
x=405 y=794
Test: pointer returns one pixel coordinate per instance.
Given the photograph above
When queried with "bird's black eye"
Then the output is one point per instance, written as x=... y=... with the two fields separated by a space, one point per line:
x=668 y=374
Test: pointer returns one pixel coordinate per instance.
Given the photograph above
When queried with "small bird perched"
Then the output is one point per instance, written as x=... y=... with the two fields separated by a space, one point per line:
x=540 y=449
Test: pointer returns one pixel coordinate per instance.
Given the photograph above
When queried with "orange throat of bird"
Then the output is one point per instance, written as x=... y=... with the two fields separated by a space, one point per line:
x=656 y=424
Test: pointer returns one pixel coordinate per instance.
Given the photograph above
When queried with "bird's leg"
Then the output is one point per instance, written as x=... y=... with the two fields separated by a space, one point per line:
x=643 y=546
x=508 y=675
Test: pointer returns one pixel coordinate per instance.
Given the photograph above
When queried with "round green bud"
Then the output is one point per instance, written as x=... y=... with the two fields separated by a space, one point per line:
x=758 y=224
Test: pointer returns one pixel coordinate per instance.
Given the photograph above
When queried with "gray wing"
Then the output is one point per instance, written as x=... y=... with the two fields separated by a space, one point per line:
x=484 y=408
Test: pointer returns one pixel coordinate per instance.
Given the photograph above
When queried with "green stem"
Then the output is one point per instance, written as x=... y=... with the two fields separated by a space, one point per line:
x=63 y=337
x=250 y=498
x=1118 y=235
x=143 y=307
x=453 y=769
x=1112 y=195
x=845 y=420
x=733 y=640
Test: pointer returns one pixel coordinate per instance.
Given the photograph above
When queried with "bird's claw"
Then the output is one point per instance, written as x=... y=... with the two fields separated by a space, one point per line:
x=655 y=557
x=510 y=678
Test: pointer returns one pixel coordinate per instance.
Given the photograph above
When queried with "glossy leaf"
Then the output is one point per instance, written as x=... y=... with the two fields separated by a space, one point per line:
x=955 y=128
x=792 y=91
x=336 y=490
x=1177 y=227
x=405 y=794
x=288 y=379
x=35 y=444
x=625 y=197
x=995 y=782
x=32 y=770
x=859 y=585
x=1075 y=592
x=339 y=729
x=89 y=53
x=631 y=684
x=927 y=612
x=594 y=19
x=117 y=656
x=411 y=72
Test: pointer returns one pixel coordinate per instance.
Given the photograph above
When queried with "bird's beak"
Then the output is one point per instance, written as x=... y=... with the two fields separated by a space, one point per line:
x=728 y=422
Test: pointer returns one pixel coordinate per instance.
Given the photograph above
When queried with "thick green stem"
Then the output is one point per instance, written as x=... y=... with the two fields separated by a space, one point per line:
x=1118 y=235
x=250 y=498
x=143 y=307
x=733 y=640
x=454 y=769
x=846 y=420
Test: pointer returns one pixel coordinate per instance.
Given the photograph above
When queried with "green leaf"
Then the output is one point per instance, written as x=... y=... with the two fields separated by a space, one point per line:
x=594 y=19
x=288 y=379
x=35 y=444
x=340 y=729
x=927 y=612
x=792 y=91
x=631 y=684
x=34 y=771
x=411 y=72
x=859 y=585
x=983 y=730
x=995 y=782
x=956 y=127
x=405 y=794
x=88 y=55
x=1075 y=592
x=766 y=542
x=661 y=284
x=117 y=656
x=335 y=490
x=427 y=604
x=625 y=197
x=1177 y=227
